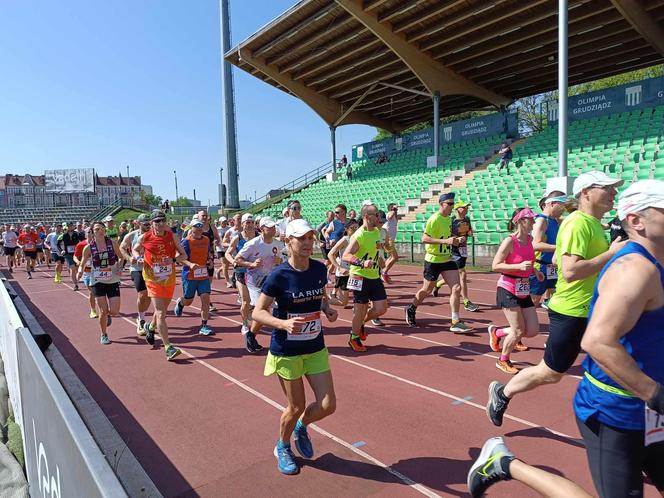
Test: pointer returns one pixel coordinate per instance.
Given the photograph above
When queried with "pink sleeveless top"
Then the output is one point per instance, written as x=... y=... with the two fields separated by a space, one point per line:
x=516 y=281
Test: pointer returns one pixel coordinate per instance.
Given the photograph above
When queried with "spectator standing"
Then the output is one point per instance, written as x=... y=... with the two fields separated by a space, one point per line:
x=505 y=157
x=349 y=172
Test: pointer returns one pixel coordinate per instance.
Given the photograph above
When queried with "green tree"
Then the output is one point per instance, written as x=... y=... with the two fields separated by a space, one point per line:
x=181 y=202
x=152 y=200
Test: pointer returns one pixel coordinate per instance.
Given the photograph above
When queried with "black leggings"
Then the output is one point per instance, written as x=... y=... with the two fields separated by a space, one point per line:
x=618 y=459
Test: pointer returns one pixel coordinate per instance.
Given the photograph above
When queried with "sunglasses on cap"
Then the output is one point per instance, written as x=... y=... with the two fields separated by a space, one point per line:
x=159 y=220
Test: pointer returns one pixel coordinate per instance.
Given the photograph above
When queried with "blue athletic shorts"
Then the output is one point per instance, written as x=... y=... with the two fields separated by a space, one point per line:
x=191 y=287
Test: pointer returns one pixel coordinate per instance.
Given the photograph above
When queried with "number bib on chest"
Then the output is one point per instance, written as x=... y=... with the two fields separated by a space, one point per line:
x=463 y=251
x=654 y=427
x=71 y=249
x=522 y=287
x=310 y=328
x=162 y=271
x=551 y=272
x=29 y=247
x=200 y=273
x=102 y=274
x=355 y=283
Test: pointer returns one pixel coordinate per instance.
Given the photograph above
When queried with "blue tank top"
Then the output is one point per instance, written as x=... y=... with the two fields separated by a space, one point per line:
x=338 y=231
x=240 y=244
x=644 y=343
x=550 y=238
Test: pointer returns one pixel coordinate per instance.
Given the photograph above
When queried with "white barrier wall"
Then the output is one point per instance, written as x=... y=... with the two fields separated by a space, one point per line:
x=10 y=322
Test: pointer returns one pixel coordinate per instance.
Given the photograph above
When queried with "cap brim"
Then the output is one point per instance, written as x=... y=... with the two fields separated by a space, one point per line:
x=269 y=225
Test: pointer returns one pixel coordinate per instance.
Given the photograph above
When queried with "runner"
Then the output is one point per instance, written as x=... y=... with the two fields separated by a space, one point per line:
x=624 y=369
x=515 y=261
x=581 y=252
x=336 y=228
x=259 y=256
x=391 y=226
x=294 y=213
x=51 y=243
x=545 y=232
x=339 y=295
x=136 y=272
x=160 y=250
x=10 y=243
x=363 y=254
x=209 y=231
x=438 y=240
x=222 y=228
x=388 y=248
x=106 y=262
x=66 y=244
x=39 y=230
x=87 y=272
x=195 y=278
x=28 y=241
x=235 y=228
x=248 y=232
x=462 y=228
x=297 y=347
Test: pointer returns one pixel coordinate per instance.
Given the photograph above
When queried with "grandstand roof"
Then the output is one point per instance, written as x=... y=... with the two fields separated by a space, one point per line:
x=11 y=180
x=111 y=181
x=354 y=61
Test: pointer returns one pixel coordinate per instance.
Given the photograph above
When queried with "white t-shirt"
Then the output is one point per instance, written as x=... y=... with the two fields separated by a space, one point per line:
x=391 y=225
x=10 y=238
x=269 y=255
x=52 y=241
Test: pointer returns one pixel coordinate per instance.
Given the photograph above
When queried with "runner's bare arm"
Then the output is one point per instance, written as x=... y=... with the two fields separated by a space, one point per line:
x=215 y=233
x=231 y=249
x=263 y=314
x=349 y=254
x=181 y=256
x=499 y=264
x=539 y=234
x=621 y=303
x=84 y=260
x=427 y=239
x=574 y=267
x=332 y=255
x=329 y=312
x=125 y=248
x=137 y=250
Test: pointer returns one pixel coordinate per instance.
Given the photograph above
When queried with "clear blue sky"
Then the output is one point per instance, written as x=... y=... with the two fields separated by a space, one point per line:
x=106 y=84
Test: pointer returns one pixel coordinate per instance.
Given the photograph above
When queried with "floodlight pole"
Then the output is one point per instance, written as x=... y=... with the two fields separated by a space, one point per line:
x=175 y=174
x=436 y=126
x=562 y=87
x=333 y=142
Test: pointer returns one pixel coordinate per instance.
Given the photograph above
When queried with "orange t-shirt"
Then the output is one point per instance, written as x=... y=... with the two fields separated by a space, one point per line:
x=159 y=248
x=28 y=241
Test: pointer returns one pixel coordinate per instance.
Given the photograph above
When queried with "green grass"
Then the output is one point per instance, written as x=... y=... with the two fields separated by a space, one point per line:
x=126 y=214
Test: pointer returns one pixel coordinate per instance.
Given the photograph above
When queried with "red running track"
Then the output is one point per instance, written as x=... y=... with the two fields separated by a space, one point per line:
x=410 y=418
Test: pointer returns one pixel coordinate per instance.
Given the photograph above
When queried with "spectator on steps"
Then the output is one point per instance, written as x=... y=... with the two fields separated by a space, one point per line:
x=505 y=157
x=349 y=172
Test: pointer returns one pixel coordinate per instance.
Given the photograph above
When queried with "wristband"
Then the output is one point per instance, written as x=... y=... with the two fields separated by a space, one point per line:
x=656 y=403
x=356 y=262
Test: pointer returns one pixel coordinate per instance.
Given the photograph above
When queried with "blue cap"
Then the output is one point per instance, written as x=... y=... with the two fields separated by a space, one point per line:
x=449 y=196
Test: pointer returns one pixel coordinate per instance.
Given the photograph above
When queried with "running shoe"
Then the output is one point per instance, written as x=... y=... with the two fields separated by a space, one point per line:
x=357 y=346
x=520 y=347
x=212 y=308
x=255 y=343
x=205 y=330
x=149 y=333
x=302 y=441
x=458 y=327
x=229 y=285
x=410 y=315
x=363 y=333
x=178 y=308
x=494 y=340
x=104 y=340
x=497 y=404
x=491 y=466
x=244 y=329
x=286 y=460
x=507 y=367
x=545 y=304
x=75 y=287
x=172 y=352
x=57 y=280
x=29 y=276
x=93 y=314
x=249 y=342
x=377 y=322
x=140 y=327
x=468 y=305
x=436 y=290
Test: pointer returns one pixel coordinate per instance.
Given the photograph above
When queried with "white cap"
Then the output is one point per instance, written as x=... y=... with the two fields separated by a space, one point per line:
x=247 y=217
x=639 y=196
x=108 y=218
x=223 y=218
x=268 y=222
x=367 y=202
x=594 y=177
x=298 y=228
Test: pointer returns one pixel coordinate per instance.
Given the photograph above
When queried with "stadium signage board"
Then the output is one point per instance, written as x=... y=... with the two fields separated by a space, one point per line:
x=70 y=180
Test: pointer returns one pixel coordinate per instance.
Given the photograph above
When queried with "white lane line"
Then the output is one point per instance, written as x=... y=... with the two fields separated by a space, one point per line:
x=403 y=478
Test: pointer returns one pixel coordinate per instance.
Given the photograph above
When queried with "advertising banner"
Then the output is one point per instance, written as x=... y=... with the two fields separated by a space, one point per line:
x=623 y=98
x=70 y=180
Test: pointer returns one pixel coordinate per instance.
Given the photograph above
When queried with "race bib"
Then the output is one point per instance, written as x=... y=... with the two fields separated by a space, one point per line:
x=522 y=287
x=71 y=249
x=162 y=271
x=654 y=427
x=463 y=251
x=310 y=328
x=29 y=247
x=103 y=274
x=355 y=283
x=200 y=273
x=551 y=272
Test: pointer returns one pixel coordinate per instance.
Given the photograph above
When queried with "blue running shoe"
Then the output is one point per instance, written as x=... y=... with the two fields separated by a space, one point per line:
x=205 y=330
x=302 y=441
x=104 y=340
x=286 y=460
x=178 y=308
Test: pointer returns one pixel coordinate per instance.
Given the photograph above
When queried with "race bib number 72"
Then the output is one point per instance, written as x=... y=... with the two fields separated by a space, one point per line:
x=654 y=427
x=311 y=326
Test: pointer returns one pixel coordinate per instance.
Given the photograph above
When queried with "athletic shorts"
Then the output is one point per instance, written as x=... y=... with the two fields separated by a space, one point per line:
x=461 y=262
x=69 y=258
x=221 y=254
x=159 y=290
x=372 y=290
x=108 y=290
x=433 y=270
x=57 y=258
x=538 y=288
x=40 y=249
x=618 y=458
x=564 y=342
x=505 y=299
x=86 y=279
x=9 y=251
x=341 y=283
x=193 y=287
x=139 y=281
x=296 y=367
x=30 y=254
x=324 y=251
x=210 y=272
x=254 y=292
x=240 y=278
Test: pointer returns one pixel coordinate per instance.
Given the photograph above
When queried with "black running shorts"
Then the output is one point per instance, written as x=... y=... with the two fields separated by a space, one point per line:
x=139 y=282
x=433 y=270
x=108 y=290
x=564 y=342
x=505 y=299
x=372 y=290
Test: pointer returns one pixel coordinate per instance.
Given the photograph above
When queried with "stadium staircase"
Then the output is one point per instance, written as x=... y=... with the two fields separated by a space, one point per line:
x=50 y=215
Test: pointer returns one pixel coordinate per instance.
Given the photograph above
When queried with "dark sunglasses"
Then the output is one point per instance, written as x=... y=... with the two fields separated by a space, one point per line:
x=295 y=208
x=160 y=220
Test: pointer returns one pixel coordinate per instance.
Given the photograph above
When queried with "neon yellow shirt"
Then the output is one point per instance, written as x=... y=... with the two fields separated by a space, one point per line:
x=580 y=235
x=438 y=227
x=369 y=241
